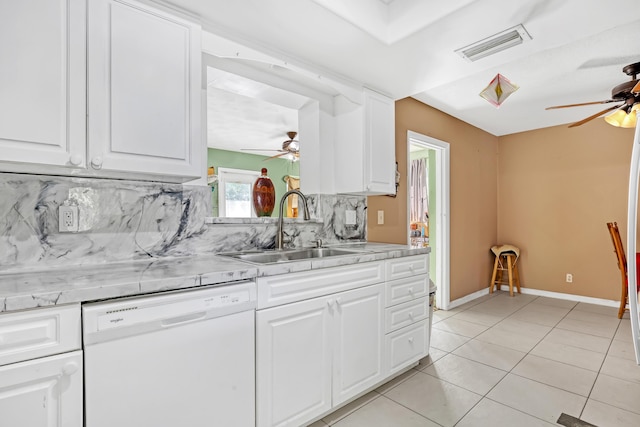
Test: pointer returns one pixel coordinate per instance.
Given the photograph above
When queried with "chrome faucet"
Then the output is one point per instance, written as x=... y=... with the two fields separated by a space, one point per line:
x=307 y=217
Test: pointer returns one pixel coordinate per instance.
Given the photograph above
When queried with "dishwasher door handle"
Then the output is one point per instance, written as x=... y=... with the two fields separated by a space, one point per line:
x=179 y=320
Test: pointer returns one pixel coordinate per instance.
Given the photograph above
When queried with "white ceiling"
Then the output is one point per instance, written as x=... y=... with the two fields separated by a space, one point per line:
x=245 y=115
x=406 y=48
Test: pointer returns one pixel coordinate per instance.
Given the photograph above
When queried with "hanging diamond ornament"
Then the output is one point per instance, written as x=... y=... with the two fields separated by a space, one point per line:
x=498 y=90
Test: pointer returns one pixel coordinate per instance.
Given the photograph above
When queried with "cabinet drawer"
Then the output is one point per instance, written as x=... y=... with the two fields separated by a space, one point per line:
x=405 y=314
x=407 y=345
x=40 y=332
x=406 y=267
x=403 y=290
x=286 y=288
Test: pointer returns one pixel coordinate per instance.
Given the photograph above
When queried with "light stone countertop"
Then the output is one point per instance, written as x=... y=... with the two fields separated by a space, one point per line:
x=31 y=289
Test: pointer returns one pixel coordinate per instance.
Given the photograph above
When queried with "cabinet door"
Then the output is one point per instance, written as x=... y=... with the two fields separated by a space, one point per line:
x=293 y=370
x=379 y=147
x=44 y=392
x=144 y=90
x=42 y=83
x=358 y=341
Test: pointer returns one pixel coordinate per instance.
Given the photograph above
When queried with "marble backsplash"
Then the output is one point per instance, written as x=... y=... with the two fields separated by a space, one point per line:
x=133 y=220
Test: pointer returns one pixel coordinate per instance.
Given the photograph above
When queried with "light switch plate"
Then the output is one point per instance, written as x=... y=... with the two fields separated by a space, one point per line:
x=380 y=217
x=350 y=217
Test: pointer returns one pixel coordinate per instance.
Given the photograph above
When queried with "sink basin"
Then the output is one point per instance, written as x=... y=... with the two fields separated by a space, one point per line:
x=270 y=257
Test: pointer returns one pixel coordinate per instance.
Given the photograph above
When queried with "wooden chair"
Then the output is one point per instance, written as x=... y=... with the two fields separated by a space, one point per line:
x=622 y=265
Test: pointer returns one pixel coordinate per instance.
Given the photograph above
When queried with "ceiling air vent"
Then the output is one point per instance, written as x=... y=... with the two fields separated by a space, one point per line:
x=494 y=44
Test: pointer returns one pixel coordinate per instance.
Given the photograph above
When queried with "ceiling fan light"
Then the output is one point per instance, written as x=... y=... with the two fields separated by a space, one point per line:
x=629 y=121
x=616 y=118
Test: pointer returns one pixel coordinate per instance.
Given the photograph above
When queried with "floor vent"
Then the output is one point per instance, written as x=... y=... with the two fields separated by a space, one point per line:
x=494 y=44
x=569 y=421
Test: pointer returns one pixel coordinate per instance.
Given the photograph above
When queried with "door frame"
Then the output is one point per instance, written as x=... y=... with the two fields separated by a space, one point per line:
x=442 y=234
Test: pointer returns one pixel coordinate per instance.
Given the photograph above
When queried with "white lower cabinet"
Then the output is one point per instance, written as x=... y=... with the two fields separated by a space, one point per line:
x=45 y=392
x=293 y=362
x=326 y=336
x=315 y=354
x=407 y=311
x=38 y=387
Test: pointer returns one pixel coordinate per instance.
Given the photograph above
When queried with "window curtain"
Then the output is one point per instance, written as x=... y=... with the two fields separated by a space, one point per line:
x=418 y=191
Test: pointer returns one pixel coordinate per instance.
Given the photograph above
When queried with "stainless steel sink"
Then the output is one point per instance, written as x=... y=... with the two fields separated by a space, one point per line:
x=271 y=257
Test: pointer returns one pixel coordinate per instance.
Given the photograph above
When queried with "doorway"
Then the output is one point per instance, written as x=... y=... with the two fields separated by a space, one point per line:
x=436 y=218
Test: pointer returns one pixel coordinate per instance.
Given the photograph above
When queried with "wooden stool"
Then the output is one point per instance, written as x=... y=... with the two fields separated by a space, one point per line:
x=506 y=259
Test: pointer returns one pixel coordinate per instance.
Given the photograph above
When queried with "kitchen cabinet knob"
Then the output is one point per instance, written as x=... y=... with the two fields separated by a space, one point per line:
x=75 y=159
x=410 y=291
x=330 y=304
x=338 y=301
x=96 y=162
x=70 y=368
x=411 y=316
x=411 y=340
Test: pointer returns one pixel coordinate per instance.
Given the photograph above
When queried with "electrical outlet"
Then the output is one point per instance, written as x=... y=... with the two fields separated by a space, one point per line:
x=380 y=217
x=350 y=217
x=569 y=278
x=68 y=219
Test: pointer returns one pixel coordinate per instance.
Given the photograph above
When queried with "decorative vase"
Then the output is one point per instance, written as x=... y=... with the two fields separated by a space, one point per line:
x=264 y=195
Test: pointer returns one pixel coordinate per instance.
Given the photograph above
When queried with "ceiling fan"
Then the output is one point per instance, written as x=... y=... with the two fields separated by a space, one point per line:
x=627 y=93
x=290 y=148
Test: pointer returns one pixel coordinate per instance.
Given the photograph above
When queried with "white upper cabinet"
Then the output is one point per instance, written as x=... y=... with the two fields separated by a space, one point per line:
x=129 y=108
x=42 y=82
x=365 y=145
x=143 y=90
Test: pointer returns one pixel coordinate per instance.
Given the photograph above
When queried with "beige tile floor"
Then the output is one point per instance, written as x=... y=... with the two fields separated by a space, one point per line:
x=512 y=361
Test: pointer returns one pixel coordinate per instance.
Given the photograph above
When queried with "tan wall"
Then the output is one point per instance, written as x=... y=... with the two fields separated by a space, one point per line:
x=557 y=189
x=473 y=209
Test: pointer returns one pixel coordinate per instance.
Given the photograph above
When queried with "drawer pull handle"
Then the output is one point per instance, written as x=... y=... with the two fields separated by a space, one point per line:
x=410 y=291
x=96 y=163
x=338 y=302
x=330 y=304
x=70 y=368
x=411 y=340
x=410 y=316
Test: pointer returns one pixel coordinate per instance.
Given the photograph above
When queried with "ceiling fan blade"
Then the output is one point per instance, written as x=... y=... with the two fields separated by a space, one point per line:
x=581 y=104
x=276 y=156
x=258 y=149
x=636 y=88
x=595 y=116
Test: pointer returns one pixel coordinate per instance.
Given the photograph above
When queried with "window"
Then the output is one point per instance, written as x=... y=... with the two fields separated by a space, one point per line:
x=235 y=192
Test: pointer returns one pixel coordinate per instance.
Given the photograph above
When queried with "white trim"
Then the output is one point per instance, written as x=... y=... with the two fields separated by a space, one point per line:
x=540 y=293
x=632 y=223
x=467 y=298
x=442 y=237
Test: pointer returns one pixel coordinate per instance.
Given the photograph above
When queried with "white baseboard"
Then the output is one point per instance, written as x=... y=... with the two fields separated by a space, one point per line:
x=467 y=298
x=538 y=292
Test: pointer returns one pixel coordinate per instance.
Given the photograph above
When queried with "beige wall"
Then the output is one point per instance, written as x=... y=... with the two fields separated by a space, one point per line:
x=473 y=209
x=557 y=189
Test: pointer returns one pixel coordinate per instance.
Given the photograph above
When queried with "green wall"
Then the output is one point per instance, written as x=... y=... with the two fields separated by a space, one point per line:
x=276 y=170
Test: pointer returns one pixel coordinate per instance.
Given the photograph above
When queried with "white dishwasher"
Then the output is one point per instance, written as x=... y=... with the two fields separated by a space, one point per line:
x=176 y=359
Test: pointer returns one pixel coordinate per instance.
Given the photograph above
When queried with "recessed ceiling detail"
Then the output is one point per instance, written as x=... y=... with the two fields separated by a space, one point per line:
x=392 y=20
